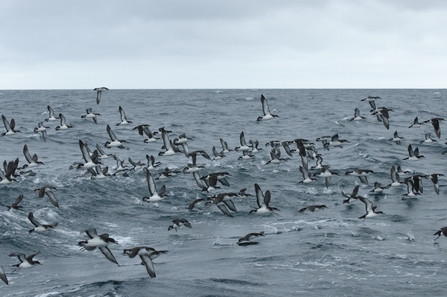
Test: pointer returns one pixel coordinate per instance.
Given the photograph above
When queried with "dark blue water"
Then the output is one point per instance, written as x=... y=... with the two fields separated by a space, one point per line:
x=328 y=252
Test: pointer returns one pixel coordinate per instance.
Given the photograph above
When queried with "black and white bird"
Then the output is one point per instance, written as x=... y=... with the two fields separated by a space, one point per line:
x=434 y=179
x=336 y=142
x=370 y=208
x=177 y=223
x=99 y=93
x=38 y=227
x=124 y=120
x=15 y=204
x=51 y=116
x=353 y=195
x=155 y=195
x=442 y=231
x=33 y=161
x=91 y=115
x=246 y=240
x=357 y=116
x=48 y=190
x=416 y=123
x=146 y=254
x=362 y=174
x=435 y=124
x=42 y=129
x=266 y=110
x=9 y=126
x=327 y=174
x=25 y=261
x=263 y=201
x=63 y=125
x=396 y=138
x=90 y=161
x=144 y=130
x=413 y=154
x=243 y=146
x=98 y=241
x=312 y=208
x=115 y=142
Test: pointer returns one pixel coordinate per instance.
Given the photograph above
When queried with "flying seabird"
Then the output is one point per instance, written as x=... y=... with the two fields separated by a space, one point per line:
x=115 y=141
x=177 y=223
x=312 y=208
x=99 y=93
x=246 y=239
x=154 y=194
x=32 y=161
x=63 y=125
x=15 y=204
x=43 y=129
x=38 y=227
x=414 y=154
x=98 y=241
x=435 y=123
x=244 y=146
x=9 y=126
x=123 y=117
x=263 y=201
x=361 y=174
x=266 y=110
x=51 y=116
x=48 y=191
x=396 y=138
x=146 y=254
x=370 y=209
x=352 y=196
x=357 y=116
x=90 y=115
x=25 y=261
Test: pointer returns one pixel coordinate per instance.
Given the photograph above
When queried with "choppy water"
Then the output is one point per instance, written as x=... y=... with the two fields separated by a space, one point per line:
x=328 y=252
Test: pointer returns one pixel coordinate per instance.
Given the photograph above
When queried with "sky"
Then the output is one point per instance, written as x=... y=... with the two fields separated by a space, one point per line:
x=217 y=44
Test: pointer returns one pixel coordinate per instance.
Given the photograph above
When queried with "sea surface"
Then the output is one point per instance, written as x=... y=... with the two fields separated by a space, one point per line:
x=330 y=252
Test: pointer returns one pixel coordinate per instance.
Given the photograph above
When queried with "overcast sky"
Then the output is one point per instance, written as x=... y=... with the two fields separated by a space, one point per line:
x=58 y=44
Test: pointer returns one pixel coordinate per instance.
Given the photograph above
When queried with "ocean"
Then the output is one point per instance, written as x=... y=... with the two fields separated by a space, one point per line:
x=329 y=252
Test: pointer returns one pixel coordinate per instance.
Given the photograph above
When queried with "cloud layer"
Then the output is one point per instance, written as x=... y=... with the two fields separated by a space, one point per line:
x=222 y=44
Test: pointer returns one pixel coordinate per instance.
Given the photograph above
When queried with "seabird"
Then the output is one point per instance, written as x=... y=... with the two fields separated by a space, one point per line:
x=244 y=146
x=275 y=157
x=336 y=142
x=246 y=239
x=225 y=148
x=263 y=201
x=144 y=130
x=357 y=116
x=224 y=202
x=206 y=184
x=101 y=153
x=181 y=139
x=51 y=116
x=32 y=161
x=151 y=164
x=443 y=231
x=43 y=129
x=146 y=254
x=378 y=188
x=416 y=123
x=370 y=209
x=123 y=117
x=137 y=165
x=10 y=168
x=352 y=196
x=63 y=125
x=115 y=141
x=25 y=262
x=167 y=144
x=91 y=161
x=414 y=154
x=435 y=123
x=15 y=204
x=90 y=115
x=154 y=194
x=9 y=126
x=326 y=173
x=98 y=241
x=428 y=138
x=3 y=275
x=361 y=174
x=217 y=155
x=266 y=110
x=99 y=93
x=434 y=179
x=177 y=223
x=38 y=227
x=98 y=172
x=312 y=208
x=395 y=179
x=396 y=138
x=220 y=176
x=307 y=178
x=48 y=191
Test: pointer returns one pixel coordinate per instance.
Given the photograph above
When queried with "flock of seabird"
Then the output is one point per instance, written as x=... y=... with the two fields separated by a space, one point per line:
x=92 y=165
